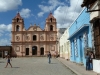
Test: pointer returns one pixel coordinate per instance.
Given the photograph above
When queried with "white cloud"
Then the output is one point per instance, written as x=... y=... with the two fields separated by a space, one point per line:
x=4 y=27
x=5 y=31
x=25 y=13
x=4 y=42
x=52 y=5
x=40 y=14
x=66 y=15
x=6 y=5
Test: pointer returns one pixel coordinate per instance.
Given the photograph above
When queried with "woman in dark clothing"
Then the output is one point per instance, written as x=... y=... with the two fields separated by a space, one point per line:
x=8 y=61
x=92 y=56
x=87 y=61
x=49 y=56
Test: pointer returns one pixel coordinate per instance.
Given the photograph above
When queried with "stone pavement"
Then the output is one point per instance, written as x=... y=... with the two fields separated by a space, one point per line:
x=34 y=66
x=78 y=69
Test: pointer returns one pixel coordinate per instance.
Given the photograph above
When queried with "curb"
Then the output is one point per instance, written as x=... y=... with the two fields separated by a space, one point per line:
x=70 y=68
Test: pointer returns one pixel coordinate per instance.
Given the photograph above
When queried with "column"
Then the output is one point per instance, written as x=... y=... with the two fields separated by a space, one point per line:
x=24 y=48
x=45 y=50
x=30 y=50
x=13 y=37
x=21 y=50
x=38 y=50
x=31 y=36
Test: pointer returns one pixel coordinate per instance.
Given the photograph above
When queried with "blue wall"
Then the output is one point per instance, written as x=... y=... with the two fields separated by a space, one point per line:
x=76 y=31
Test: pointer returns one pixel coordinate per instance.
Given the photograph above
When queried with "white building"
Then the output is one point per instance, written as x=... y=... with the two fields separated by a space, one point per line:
x=60 y=32
x=65 y=45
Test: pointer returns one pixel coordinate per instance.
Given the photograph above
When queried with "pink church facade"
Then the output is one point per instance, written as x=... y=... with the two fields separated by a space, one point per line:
x=34 y=41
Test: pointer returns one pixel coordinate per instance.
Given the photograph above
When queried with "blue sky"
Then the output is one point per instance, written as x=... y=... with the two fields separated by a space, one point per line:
x=36 y=12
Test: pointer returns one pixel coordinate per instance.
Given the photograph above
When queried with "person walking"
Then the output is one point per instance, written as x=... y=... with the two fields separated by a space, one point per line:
x=87 y=61
x=49 y=56
x=8 y=61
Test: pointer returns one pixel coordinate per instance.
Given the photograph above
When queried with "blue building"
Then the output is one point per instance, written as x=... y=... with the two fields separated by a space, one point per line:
x=80 y=37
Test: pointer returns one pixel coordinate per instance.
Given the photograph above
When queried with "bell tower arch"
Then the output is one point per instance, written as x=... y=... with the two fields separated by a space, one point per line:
x=17 y=23
x=50 y=23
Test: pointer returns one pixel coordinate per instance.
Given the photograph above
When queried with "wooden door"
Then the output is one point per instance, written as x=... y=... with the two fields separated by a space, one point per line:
x=96 y=29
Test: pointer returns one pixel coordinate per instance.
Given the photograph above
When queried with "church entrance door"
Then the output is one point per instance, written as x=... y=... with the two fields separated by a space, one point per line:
x=34 y=50
x=27 y=51
x=42 y=50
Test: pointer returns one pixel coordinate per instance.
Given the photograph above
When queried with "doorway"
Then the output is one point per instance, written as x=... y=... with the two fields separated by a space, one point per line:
x=42 y=50
x=27 y=51
x=34 y=50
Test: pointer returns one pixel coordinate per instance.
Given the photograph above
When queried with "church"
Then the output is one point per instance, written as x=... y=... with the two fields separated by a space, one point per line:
x=33 y=41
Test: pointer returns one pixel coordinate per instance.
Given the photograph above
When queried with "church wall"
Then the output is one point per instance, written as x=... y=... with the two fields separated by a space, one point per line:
x=22 y=39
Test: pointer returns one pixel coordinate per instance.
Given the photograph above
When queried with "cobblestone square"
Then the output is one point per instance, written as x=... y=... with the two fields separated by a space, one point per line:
x=34 y=66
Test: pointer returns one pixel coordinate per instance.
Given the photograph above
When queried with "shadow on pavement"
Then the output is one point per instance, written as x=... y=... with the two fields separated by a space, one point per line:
x=15 y=67
x=53 y=63
x=2 y=62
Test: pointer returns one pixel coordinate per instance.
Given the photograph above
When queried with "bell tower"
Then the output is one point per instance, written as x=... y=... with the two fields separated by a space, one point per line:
x=50 y=23
x=17 y=34
x=17 y=26
x=17 y=23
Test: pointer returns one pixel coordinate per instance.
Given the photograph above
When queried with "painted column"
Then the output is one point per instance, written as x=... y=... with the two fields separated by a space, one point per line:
x=21 y=50
x=38 y=50
x=31 y=36
x=24 y=52
x=79 y=49
x=30 y=50
x=73 y=50
x=13 y=37
x=45 y=51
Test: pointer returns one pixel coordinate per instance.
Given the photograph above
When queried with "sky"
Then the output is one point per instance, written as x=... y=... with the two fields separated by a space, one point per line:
x=36 y=12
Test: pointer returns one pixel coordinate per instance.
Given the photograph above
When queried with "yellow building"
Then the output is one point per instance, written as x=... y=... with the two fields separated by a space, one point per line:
x=65 y=45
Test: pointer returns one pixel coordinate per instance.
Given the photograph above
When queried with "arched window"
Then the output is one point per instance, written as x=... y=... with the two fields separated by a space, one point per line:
x=17 y=28
x=51 y=28
x=17 y=19
x=34 y=37
x=50 y=19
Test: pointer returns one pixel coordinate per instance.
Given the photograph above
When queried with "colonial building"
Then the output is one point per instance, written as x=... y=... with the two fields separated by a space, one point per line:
x=93 y=8
x=65 y=45
x=60 y=32
x=34 y=41
x=80 y=37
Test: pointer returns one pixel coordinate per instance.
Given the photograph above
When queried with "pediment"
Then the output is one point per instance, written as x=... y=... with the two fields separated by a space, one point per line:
x=34 y=28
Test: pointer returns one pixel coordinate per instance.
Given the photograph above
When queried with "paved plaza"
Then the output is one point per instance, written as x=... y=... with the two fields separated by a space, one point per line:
x=34 y=66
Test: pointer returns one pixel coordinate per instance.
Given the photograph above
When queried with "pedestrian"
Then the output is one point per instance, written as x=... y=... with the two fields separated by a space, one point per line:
x=87 y=61
x=49 y=56
x=92 y=56
x=8 y=61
